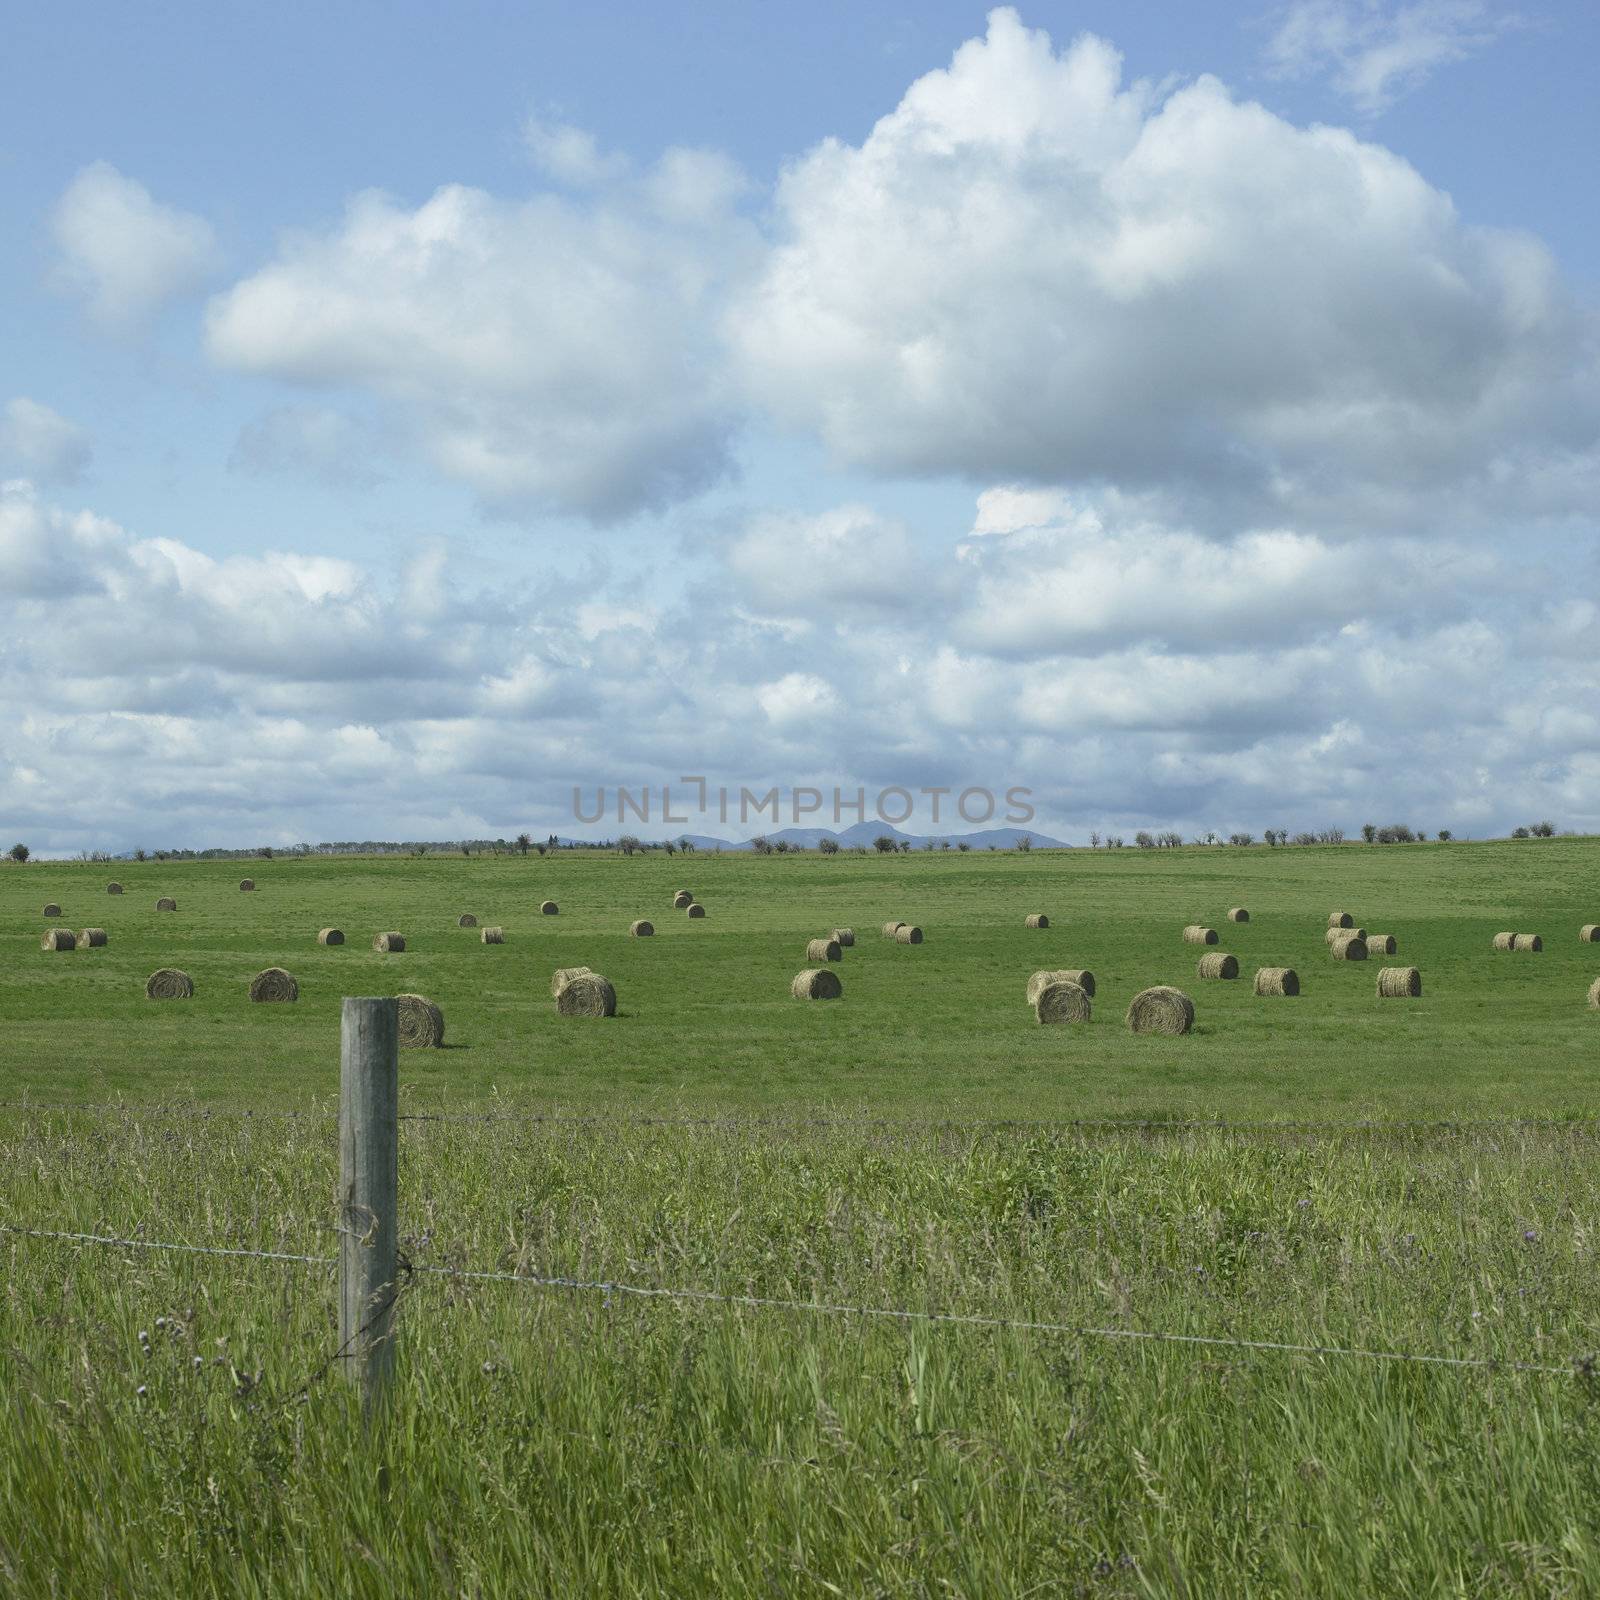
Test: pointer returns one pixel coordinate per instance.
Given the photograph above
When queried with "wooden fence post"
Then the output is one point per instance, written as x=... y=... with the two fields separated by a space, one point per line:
x=369 y=1171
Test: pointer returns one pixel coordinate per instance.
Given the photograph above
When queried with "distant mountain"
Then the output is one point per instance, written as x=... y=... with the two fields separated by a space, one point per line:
x=863 y=833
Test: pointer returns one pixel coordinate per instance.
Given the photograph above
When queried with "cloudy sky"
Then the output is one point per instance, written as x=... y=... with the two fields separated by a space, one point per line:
x=1190 y=413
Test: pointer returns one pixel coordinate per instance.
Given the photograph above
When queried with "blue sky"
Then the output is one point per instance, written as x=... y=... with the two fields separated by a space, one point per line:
x=1187 y=412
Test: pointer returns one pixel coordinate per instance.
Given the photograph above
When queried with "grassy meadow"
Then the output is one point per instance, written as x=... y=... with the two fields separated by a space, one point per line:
x=171 y=1423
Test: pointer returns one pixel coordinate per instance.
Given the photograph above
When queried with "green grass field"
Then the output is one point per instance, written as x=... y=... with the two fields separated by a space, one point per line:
x=171 y=1426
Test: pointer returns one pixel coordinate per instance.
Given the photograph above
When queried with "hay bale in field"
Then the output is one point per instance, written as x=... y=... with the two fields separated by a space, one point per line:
x=908 y=933
x=1527 y=941
x=247 y=885
x=169 y=984
x=1334 y=935
x=59 y=939
x=1589 y=933
x=1195 y=934
x=330 y=936
x=421 y=1023
x=1081 y=976
x=586 y=994
x=466 y=920
x=1350 y=947
x=816 y=983
x=1399 y=983
x=824 y=950
x=493 y=935
x=392 y=943
x=694 y=910
x=1277 y=980
x=1036 y=920
x=1505 y=941
x=91 y=938
x=682 y=900
x=166 y=903
x=845 y=936
x=52 y=910
x=549 y=908
x=1061 y=1002
x=1214 y=964
x=1594 y=994
x=274 y=984
x=641 y=929
x=1381 y=944
x=890 y=929
x=1341 y=919
x=113 y=888
x=1238 y=914
x=564 y=975
x=1162 y=1009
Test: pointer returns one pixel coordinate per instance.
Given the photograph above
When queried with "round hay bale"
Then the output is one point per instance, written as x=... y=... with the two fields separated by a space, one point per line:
x=1351 y=947
x=549 y=909
x=1399 y=983
x=1277 y=980
x=1214 y=964
x=493 y=935
x=52 y=910
x=1036 y=920
x=1594 y=994
x=824 y=950
x=394 y=943
x=1081 y=976
x=1341 y=919
x=1162 y=1009
x=694 y=910
x=641 y=929
x=845 y=936
x=1505 y=941
x=91 y=938
x=330 y=936
x=421 y=1023
x=1589 y=933
x=113 y=888
x=1334 y=935
x=274 y=984
x=1381 y=944
x=816 y=983
x=169 y=984
x=1061 y=1002
x=166 y=903
x=466 y=920
x=682 y=900
x=586 y=994
x=59 y=939
x=1527 y=941
x=890 y=929
x=1238 y=914
x=247 y=885
x=564 y=975
x=906 y=933
x=1195 y=934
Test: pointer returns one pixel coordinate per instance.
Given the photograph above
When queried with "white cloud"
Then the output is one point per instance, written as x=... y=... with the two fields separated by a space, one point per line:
x=41 y=443
x=311 y=441
x=1376 y=52
x=123 y=251
x=568 y=154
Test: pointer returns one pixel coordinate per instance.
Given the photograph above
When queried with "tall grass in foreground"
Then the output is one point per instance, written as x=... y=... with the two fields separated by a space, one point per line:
x=547 y=1441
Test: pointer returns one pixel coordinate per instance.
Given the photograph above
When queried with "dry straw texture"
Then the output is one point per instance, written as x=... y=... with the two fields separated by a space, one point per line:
x=1399 y=983
x=166 y=903
x=330 y=936
x=907 y=933
x=1505 y=941
x=113 y=888
x=1238 y=914
x=274 y=984
x=1215 y=964
x=1061 y=1002
x=1195 y=934
x=247 y=885
x=1589 y=933
x=586 y=994
x=169 y=984
x=564 y=975
x=824 y=950
x=890 y=929
x=1334 y=935
x=1594 y=994
x=845 y=936
x=1381 y=944
x=1081 y=976
x=91 y=938
x=394 y=943
x=1161 y=1010
x=694 y=910
x=52 y=910
x=1527 y=941
x=549 y=908
x=816 y=983
x=1352 y=947
x=1341 y=919
x=682 y=900
x=1277 y=980
x=641 y=929
x=58 y=939
x=1037 y=920
x=421 y=1023
x=493 y=935
x=466 y=920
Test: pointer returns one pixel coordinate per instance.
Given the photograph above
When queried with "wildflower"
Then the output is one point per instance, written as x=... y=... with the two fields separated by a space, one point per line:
x=141 y=1391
